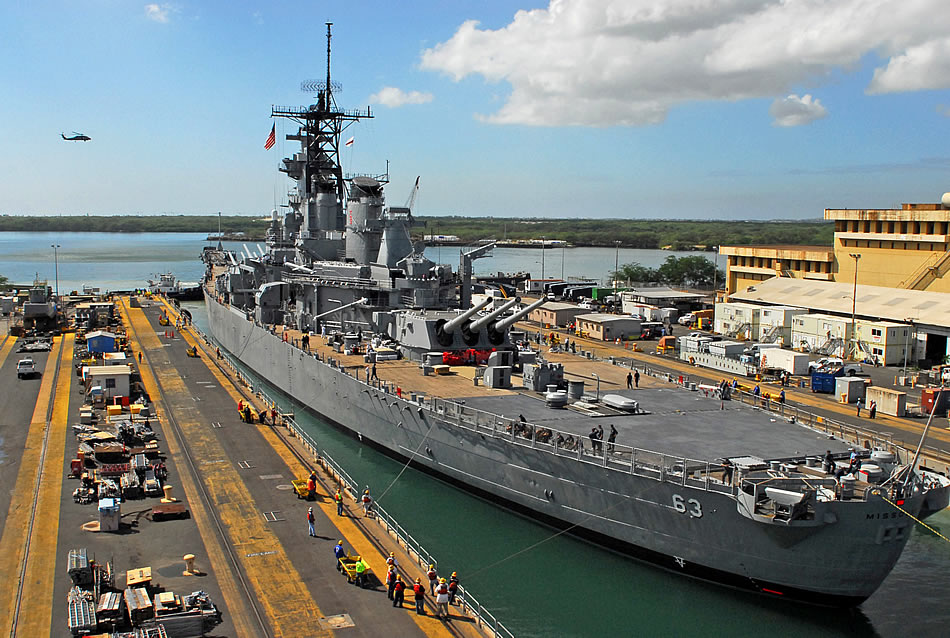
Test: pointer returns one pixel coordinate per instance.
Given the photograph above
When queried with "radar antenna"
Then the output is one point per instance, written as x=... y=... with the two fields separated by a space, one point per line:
x=321 y=125
x=328 y=87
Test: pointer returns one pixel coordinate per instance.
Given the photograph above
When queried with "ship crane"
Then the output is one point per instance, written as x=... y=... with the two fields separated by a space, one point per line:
x=412 y=196
x=465 y=270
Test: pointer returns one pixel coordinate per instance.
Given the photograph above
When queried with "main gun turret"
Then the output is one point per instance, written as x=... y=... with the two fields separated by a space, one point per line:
x=445 y=329
x=479 y=323
x=509 y=321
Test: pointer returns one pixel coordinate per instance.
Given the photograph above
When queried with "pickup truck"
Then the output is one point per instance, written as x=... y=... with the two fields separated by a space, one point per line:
x=832 y=363
x=686 y=319
x=25 y=368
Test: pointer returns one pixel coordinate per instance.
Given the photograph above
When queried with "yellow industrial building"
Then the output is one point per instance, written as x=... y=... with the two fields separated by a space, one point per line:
x=905 y=250
x=907 y=247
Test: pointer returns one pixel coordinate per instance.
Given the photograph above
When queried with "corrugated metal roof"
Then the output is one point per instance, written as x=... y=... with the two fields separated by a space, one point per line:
x=877 y=302
x=602 y=317
x=662 y=292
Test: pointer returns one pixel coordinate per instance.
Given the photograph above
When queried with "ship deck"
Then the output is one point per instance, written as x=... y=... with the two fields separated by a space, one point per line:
x=678 y=422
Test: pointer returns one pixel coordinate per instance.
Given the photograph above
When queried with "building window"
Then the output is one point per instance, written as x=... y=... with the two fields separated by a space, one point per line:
x=110 y=383
x=875 y=332
x=877 y=351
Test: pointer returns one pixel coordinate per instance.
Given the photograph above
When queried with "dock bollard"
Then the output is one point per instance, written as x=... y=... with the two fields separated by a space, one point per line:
x=189 y=565
x=168 y=494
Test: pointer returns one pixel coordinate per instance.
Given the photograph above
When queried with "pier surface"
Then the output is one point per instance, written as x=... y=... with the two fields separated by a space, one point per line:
x=246 y=526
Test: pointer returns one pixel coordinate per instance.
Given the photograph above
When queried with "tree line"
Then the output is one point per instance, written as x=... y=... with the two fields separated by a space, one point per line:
x=254 y=226
x=631 y=233
x=637 y=233
x=690 y=272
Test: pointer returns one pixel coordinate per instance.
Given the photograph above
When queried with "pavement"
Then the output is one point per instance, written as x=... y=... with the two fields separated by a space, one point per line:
x=246 y=526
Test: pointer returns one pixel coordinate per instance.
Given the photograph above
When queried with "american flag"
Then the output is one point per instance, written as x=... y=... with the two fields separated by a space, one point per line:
x=271 y=139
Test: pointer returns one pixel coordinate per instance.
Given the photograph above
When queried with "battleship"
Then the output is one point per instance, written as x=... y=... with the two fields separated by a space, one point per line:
x=694 y=483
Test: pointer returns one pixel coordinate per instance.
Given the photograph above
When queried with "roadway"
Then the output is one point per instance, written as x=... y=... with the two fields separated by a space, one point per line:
x=243 y=472
x=247 y=529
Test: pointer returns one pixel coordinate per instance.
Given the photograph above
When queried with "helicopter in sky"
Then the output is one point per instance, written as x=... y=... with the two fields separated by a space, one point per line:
x=76 y=137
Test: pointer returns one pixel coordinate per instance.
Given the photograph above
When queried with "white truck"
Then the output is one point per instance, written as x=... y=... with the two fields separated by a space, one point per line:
x=792 y=362
x=25 y=368
x=686 y=319
x=829 y=364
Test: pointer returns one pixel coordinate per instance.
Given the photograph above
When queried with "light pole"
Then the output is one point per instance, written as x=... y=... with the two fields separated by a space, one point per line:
x=542 y=263
x=910 y=322
x=562 y=262
x=854 y=298
x=616 y=263
x=715 y=268
x=55 y=247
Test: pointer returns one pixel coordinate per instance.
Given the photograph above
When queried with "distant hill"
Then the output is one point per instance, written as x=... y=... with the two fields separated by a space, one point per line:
x=631 y=233
x=251 y=226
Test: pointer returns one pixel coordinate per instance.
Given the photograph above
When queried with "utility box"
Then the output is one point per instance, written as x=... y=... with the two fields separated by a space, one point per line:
x=850 y=387
x=940 y=396
x=497 y=376
x=892 y=402
x=110 y=513
x=824 y=382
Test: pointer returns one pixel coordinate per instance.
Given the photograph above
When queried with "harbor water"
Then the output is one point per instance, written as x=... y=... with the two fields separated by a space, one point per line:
x=538 y=581
x=124 y=261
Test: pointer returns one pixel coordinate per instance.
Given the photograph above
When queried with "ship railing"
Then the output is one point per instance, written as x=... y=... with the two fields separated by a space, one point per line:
x=466 y=600
x=695 y=473
x=862 y=436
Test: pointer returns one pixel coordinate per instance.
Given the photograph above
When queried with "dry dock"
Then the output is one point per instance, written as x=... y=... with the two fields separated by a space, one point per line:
x=247 y=530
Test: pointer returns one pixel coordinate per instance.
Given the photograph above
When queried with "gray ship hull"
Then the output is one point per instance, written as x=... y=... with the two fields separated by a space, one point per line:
x=698 y=530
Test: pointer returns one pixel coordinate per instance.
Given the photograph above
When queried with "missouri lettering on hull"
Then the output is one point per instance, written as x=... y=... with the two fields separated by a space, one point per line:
x=701 y=486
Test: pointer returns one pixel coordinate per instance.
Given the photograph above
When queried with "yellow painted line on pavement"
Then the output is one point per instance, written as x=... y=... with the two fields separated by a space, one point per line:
x=362 y=546
x=234 y=601
x=8 y=344
x=276 y=583
x=17 y=521
x=40 y=574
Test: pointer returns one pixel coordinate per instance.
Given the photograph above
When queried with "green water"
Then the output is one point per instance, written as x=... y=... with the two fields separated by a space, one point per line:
x=541 y=583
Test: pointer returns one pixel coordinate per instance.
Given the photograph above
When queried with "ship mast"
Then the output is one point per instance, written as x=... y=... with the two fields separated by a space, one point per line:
x=321 y=126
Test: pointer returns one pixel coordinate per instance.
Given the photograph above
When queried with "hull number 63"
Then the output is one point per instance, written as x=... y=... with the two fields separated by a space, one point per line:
x=691 y=506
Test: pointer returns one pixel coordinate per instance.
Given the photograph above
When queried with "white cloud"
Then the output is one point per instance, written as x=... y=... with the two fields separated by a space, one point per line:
x=158 y=12
x=920 y=67
x=796 y=111
x=628 y=62
x=393 y=97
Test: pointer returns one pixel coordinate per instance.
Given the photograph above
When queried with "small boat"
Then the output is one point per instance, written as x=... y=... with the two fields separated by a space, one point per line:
x=171 y=287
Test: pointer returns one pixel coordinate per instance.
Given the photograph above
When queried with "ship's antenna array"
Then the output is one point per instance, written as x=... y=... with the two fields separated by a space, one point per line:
x=329 y=36
x=328 y=86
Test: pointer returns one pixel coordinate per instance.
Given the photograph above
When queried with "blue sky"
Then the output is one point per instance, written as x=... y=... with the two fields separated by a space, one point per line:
x=735 y=109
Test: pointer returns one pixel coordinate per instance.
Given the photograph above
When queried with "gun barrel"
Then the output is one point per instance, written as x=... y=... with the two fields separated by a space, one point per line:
x=451 y=326
x=477 y=325
x=508 y=321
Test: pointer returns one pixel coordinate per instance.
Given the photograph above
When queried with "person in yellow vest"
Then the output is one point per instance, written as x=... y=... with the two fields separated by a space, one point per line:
x=361 y=572
x=338 y=497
